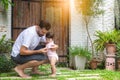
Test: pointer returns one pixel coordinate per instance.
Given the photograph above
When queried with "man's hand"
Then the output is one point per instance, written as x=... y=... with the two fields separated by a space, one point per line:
x=43 y=50
x=25 y=51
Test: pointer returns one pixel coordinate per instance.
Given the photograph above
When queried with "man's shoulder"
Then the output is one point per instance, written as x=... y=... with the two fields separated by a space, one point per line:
x=30 y=29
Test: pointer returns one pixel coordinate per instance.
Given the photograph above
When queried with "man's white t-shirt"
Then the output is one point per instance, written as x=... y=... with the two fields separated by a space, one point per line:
x=28 y=38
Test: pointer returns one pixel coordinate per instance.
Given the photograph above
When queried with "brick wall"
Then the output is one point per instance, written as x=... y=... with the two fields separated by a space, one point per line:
x=78 y=35
x=5 y=22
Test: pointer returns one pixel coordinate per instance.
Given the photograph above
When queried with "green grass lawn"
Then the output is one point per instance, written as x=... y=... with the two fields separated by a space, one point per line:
x=66 y=74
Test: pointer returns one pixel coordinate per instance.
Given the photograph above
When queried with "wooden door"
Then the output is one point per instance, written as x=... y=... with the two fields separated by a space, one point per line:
x=29 y=12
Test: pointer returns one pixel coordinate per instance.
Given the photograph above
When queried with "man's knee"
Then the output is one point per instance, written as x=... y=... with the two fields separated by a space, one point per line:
x=34 y=62
x=46 y=61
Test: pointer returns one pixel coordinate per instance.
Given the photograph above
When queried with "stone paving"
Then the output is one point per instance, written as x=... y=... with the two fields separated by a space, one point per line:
x=62 y=74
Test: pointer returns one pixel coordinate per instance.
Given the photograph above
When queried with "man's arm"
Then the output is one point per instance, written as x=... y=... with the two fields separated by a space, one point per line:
x=24 y=51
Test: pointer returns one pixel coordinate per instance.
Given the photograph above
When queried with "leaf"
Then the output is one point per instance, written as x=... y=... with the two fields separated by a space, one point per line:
x=80 y=51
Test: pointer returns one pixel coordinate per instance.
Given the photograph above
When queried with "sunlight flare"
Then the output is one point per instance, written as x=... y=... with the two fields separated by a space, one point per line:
x=72 y=4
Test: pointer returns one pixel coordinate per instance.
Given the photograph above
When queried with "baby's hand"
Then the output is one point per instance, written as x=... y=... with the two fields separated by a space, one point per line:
x=53 y=47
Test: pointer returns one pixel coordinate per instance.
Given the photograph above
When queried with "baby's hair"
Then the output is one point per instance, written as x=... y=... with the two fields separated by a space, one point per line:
x=49 y=35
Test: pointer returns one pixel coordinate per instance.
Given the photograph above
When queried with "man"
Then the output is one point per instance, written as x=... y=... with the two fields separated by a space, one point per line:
x=24 y=51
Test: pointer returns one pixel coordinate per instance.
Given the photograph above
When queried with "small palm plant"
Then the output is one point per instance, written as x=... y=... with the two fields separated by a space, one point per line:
x=107 y=37
x=80 y=56
x=80 y=51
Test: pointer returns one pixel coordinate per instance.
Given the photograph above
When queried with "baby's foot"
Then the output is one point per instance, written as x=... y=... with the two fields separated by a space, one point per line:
x=26 y=76
x=52 y=75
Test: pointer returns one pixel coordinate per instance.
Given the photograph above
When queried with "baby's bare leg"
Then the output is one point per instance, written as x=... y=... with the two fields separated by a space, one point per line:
x=53 y=61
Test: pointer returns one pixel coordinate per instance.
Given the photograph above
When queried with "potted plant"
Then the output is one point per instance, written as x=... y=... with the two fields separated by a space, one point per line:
x=80 y=55
x=108 y=40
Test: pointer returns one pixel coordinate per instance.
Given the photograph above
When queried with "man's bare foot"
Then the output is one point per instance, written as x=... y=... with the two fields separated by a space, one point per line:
x=25 y=76
x=21 y=73
x=52 y=75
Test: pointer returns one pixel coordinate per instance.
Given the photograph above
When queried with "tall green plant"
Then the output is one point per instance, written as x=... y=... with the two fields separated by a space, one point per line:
x=6 y=3
x=89 y=9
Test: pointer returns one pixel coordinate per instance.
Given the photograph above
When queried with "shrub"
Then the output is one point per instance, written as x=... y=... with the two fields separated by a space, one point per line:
x=5 y=45
x=6 y=64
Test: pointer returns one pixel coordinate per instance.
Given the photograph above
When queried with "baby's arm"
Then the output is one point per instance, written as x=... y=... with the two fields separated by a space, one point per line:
x=54 y=47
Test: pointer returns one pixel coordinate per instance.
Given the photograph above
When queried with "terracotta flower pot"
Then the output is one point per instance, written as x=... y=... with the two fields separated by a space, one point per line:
x=93 y=64
x=111 y=49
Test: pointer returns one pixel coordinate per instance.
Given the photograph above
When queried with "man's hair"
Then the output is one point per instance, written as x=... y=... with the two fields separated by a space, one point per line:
x=49 y=35
x=45 y=24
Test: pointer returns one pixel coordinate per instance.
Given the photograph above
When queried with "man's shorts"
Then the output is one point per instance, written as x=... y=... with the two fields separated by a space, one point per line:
x=21 y=59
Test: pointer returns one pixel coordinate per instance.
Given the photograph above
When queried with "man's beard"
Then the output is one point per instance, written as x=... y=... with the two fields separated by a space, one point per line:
x=41 y=35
